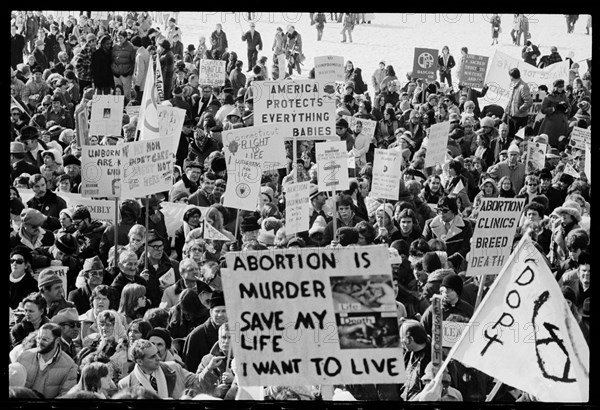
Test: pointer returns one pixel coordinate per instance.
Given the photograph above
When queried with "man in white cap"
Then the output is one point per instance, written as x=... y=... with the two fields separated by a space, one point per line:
x=511 y=168
x=317 y=205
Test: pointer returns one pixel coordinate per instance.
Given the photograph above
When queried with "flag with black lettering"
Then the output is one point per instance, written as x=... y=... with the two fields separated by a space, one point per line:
x=524 y=334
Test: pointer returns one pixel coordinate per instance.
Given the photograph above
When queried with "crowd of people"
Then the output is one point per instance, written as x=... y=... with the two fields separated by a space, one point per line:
x=144 y=316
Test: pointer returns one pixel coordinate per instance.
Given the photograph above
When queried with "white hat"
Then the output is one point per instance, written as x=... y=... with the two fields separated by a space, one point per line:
x=513 y=148
x=17 y=375
x=319 y=225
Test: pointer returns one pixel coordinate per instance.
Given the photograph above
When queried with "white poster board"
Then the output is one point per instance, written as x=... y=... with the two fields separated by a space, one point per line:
x=243 y=183
x=101 y=173
x=332 y=162
x=262 y=143
x=536 y=156
x=386 y=174
x=100 y=209
x=212 y=72
x=170 y=124
x=329 y=68
x=107 y=114
x=147 y=167
x=580 y=137
x=437 y=144
x=296 y=207
x=304 y=320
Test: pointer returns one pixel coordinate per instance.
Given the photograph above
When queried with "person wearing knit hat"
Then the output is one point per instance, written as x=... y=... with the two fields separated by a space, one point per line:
x=456 y=262
x=249 y=226
x=32 y=217
x=431 y=262
x=66 y=243
x=451 y=282
x=47 y=278
x=163 y=341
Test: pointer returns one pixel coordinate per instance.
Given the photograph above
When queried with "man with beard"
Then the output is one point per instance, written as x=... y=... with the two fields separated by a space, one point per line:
x=50 y=371
x=89 y=232
x=50 y=286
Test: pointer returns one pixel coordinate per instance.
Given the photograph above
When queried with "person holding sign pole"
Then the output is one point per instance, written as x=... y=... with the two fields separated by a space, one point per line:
x=345 y=217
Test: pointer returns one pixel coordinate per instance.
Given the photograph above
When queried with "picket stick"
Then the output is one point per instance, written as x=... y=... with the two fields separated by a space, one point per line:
x=479 y=291
x=494 y=391
x=116 y=238
x=146 y=238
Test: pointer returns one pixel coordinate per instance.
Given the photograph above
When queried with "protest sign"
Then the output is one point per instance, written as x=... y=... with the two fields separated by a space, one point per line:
x=304 y=108
x=263 y=143
x=498 y=79
x=212 y=72
x=173 y=212
x=531 y=340
x=332 y=162
x=170 y=124
x=81 y=125
x=167 y=279
x=132 y=110
x=536 y=156
x=313 y=316
x=493 y=234
x=588 y=162
x=107 y=114
x=101 y=172
x=425 y=63
x=386 y=174
x=158 y=80
x=61 y=272
x=569 y=170
x=329 y=68
x=537 y=97
x=580 y=137
x=473 y=71
x=210 y=232
x=367 y=126
x=100 y=209
x=437 y=144
x=147 y=167
x=243 y=183
x=26 y=194
x=451 y=332
x=296 y=207
x=148 y=115
x=436 y=330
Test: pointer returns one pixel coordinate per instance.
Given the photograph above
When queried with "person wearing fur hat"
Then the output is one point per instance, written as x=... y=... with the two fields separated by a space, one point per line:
x=93 y=274
x=568 y=218
x=449 y=227
x=555 y=107
x=31 y=234
x=21 y=280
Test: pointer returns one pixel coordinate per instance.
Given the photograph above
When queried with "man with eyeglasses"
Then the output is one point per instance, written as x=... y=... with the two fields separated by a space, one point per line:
x=162 y=271
x=68 y=320
x=93 y=275
x=50 y=371
x=449 y=227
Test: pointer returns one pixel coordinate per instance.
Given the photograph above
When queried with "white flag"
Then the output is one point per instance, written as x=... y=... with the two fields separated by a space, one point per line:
x=148 y=119
x=569 y=170
x=210 y=232
x=459 y=187
x=528 y=338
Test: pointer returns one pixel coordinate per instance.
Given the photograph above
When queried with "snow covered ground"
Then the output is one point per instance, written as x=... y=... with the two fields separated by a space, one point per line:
x=393 y=37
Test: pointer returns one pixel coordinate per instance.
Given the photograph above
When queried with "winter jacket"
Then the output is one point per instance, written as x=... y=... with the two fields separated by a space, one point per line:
x=519 y=100
x=219 y=42
x=50 y=204
x=238 y=80
x=84 y=64
x=456 y=240
x=449 y=64
x=199 y=343
x=55 y=380
x=359 y=85
x=142 y=59
x=101 y=69
x=556 y=122
x=209 y=379
x=516 y=173
x=62 y=117
x=123 y=59
x=18 y=290
x=177 y=378
x=38 y=88
x=293 y=44
x=89 y=240
x=279 y=43
x=253 y=42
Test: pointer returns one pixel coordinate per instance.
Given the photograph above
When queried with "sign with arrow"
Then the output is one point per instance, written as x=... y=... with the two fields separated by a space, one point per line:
x=332 y=160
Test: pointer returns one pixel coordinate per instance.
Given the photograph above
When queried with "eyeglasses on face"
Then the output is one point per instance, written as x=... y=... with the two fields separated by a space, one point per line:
x=442 y=210
x=157 y=247
x=17 y=261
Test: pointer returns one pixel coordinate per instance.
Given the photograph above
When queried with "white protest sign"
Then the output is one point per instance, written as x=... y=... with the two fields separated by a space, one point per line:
x=493 y=234
x=459 y=187
x=304 y=108
x=243 y=183
x=132 y=110
x=387 y=172
x=451 y=332
x=588 y=162
x=329 y=68
x=173 y=212
x=532 y=341
x=147 y=167
x=107 y=114
x=101 y=174
x=332 y=162
x=536 y=156
x=170 y=124
x=498 y=79
x=304 y=318
x=368 y=126
x=26 y=194
x=262 y=143
x=296 y=207
x=212 y=72
x=210 y=232
x=100 y=209
x=537 y=97
x=167 y=278
x=437 y=144
x=569 y=170
x=580 y=137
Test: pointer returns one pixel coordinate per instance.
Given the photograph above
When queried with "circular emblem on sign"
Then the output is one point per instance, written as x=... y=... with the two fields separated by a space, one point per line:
x=233 y=147
x=425 y=60
x=242 y=190
x=91 y=172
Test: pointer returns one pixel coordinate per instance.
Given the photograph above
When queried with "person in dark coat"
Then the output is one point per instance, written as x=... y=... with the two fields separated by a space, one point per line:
x=44 y=200
x=130 y=211
x=21 y=281
x=187 y=314
x=167 y=66
x=555 y=107
x=218 y=40
x=102 y=73
x=530 y=53
x=93 y=273
x=202 y=339
x=445 y=64
x=252 y=38
x=449 y=227
x=17 y=45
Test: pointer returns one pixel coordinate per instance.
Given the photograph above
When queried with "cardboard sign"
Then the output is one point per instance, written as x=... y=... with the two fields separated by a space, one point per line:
x=243 y=183
x=498 y=80
x=473 y=71
x=107 y=114
x=170 y=124
x=263 y=143
x=81 y=125
x=538 y=98
x=531 y=340
x=210 y=232
x=536 y=156
x=588 y=162
x=493 y=234
x=100 y=209
x=425 y=63
x=212 y=72
x=147 y=167
x=297 y=203
x=387 y=171
x=313 y=316
x=332 y=162
x=368 y=126
x=304 y=108
x=101 y=173
x=580 y=137
x=437 y=144
x=173 y=212
x=329 y=68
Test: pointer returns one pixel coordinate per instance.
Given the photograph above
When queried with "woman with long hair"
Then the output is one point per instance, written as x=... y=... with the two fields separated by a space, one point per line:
x=432 y=190
x=506 y=188
x=386 y=128
x=488 y=189
x=133 y=303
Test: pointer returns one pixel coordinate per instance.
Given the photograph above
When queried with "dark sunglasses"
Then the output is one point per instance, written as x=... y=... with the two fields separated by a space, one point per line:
x=442 y=210
x=18 y=261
